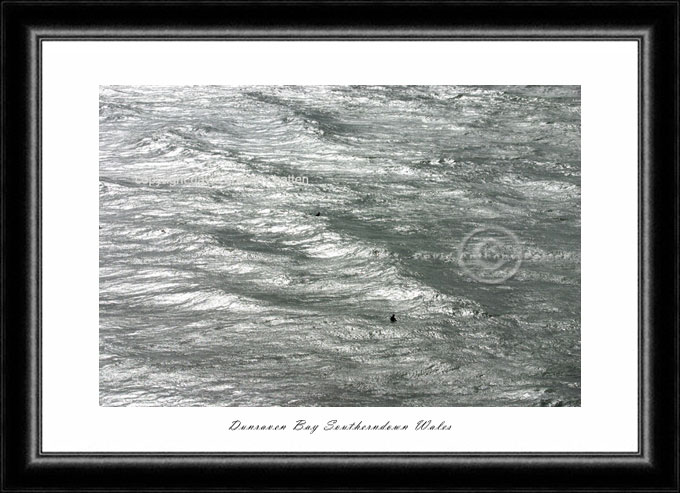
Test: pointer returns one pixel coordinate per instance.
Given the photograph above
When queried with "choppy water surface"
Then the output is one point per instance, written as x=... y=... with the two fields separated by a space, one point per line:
x=219 y=285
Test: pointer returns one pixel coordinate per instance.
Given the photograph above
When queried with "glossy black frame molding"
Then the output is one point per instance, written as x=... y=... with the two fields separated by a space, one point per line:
x=654 y=24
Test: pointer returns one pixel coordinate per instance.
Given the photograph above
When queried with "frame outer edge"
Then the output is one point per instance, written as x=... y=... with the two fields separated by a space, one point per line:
x=27 y=468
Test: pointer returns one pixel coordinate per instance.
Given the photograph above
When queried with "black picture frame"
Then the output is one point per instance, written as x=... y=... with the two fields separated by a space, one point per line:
x=653 y=24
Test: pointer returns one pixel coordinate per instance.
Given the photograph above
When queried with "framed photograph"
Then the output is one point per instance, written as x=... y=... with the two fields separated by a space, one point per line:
x=350 y=246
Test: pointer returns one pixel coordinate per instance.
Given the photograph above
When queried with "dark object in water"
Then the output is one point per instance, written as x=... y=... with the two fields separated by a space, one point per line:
x=392 y=318
x=318 y=213
x=162 y=231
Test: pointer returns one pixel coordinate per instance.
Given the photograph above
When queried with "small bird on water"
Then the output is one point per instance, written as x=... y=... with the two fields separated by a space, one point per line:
x=318 y=213
x=393 y=318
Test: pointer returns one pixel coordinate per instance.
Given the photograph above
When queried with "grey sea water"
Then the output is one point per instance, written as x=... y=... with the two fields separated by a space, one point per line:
x=221 y=286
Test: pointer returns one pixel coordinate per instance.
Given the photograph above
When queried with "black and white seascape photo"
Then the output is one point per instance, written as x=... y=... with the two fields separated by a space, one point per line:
x=326 y=246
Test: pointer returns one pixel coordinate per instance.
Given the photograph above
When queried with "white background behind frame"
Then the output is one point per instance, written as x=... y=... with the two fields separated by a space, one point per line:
x=607 y=71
